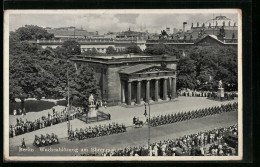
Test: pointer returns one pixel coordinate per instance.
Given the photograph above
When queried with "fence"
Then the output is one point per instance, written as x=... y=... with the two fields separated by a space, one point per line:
x=101 y=116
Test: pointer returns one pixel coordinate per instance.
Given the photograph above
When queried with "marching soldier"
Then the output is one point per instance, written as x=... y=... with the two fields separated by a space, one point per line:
x=134 y=120
x=23 y=144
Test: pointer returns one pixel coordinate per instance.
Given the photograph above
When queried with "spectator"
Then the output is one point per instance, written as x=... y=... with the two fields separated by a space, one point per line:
x=183 y=146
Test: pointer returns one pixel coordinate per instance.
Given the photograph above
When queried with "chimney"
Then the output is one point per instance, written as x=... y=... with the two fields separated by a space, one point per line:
x=183 y=29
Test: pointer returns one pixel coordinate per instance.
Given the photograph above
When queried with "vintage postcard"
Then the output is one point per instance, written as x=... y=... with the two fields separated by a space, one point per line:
x=106 y=85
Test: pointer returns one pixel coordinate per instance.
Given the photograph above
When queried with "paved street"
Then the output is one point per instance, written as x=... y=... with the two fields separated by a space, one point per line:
x=133 y=137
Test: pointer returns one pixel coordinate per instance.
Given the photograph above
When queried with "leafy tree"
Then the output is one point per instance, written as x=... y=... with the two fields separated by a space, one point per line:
x=155 y=50
x=82 y=86
x=70 y=48
x=161 y=49
x=186 y=73
x=37 y=72
x=16 y=46
x=30 y=32
x=133 y=48
x=211 y=65
x=110 y=50
x=91 y=52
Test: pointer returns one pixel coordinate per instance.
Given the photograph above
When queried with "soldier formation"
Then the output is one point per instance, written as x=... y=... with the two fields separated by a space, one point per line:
x=101 y=130
x=45 y=140
x=208 y=143
x=183 y=116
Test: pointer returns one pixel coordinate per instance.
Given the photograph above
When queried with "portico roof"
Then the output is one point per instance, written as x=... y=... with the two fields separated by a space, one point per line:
x=136 y=68
x=145 y=68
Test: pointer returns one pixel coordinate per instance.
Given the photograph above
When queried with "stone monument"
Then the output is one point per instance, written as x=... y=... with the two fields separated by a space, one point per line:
x=92 y=112
x=220 y=90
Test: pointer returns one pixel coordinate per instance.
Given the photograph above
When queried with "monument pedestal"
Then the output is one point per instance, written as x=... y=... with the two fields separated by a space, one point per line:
x=92 y=112
x=221 y=93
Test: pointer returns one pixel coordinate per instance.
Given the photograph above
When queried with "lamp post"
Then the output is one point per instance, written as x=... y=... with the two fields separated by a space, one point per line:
x=145 y=113
x=68 y=96
x=69 y=126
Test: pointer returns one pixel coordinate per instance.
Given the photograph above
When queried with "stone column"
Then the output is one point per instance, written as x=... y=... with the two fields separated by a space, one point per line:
x=170 y=87
x=164 y=89
x=147 y=91
x=156 y=90
x=138 y=95
x=129 y=96
x=123 y=91
x=173 y=88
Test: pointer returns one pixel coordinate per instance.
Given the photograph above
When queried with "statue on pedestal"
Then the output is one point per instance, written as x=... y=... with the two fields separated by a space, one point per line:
x=92 y=112
x=220 y=84
x=91 y=99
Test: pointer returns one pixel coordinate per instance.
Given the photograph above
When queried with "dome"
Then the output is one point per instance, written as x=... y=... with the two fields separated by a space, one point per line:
x=220 y=21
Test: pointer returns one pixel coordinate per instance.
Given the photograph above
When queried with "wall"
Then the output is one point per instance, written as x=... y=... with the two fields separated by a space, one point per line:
x=51 y=46
x=99 y=48
x=114 y=85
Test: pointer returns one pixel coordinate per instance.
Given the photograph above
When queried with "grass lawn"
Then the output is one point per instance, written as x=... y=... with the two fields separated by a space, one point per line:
x=35 y=105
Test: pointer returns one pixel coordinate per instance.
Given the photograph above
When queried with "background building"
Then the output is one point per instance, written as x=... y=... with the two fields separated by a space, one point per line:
x=133 y=79
x=70 y=32
x=211 y=27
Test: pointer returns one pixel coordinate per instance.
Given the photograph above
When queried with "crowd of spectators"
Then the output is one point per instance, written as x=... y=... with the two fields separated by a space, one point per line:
x=183 y=116
x=209 y=94
x=25 y=126
x=207 y=143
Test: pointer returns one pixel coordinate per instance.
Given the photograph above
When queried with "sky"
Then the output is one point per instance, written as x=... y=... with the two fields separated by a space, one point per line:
x=114 y=22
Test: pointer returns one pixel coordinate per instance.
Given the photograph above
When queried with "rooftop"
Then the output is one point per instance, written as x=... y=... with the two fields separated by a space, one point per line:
x=121 y=56
x=119 y=59
x=64 y=32
x=136 y=68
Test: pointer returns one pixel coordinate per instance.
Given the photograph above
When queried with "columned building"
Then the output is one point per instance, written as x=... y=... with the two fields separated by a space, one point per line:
x=147 y=83
x=133 y=79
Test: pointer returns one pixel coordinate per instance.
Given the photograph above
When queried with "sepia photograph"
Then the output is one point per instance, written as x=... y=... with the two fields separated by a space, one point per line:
x=106 y=85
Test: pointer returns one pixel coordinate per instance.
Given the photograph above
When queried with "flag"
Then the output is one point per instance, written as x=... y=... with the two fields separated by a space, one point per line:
x=76 y=68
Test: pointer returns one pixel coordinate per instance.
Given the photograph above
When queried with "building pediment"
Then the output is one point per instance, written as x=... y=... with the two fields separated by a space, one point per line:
x=154 y=69
x=208 y=40
x=145 y=69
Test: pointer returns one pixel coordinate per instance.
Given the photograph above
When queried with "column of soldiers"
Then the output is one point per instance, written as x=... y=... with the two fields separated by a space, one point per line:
x=26 y=126
x=173 y=118
x=45 y=140
x=101 y=130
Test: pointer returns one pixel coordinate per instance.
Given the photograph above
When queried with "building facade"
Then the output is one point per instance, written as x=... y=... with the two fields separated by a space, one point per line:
x=133 y=79
x=99 y=44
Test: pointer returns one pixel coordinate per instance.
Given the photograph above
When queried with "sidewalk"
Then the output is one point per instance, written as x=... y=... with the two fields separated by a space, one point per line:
x=125 y=115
